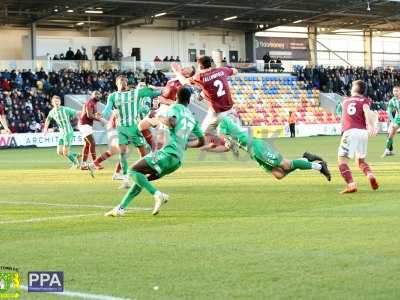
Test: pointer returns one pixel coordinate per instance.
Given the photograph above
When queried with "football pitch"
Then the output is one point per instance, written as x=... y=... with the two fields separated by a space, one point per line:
x=229 y=231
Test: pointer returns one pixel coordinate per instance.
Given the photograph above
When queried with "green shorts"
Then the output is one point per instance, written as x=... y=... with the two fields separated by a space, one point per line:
x=66 y=139
x=396 y=122
x=162 y=162
x=266 y=156
x=132 y=133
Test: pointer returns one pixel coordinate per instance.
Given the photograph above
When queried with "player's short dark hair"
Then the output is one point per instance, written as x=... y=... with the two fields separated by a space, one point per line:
x=193 y=71
x=184 y=94
x=360 y=86
x=121 y=76
x=205 y=61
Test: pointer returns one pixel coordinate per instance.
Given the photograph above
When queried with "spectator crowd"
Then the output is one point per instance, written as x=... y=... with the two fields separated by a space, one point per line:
x=25 y=95
x=338 y=80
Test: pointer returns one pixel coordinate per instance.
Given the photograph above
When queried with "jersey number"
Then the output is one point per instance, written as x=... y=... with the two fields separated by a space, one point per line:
x=351 y=109
x=218 y=84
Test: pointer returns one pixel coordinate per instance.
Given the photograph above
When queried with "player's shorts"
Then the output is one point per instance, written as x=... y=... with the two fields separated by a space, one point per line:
x=396 y=122
x=162 y=162
x=354 y=142
x=211 y=121
x=112 y=136
x=130 y=133
x=162 y=111
x=85 y=130
x=266 y=156
x=66 y=139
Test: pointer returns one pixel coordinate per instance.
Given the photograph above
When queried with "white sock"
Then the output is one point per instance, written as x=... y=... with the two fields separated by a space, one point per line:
x=316 y=166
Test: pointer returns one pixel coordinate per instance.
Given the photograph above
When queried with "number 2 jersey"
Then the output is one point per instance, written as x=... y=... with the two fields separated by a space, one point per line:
x=214 y=83
x=353 y=116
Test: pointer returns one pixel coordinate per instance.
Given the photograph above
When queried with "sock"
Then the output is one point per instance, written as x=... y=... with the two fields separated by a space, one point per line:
x=301 y=164
x=346 y=173
x=93 y=150
x=148 y=136
x=72 y=157
x=143 y=182
x=130 y=195
x=389 y=144
x=123 y=158
x=316 y=166
x=118 y=167
x=364 y=167
x=85 y=151
x=103 y=157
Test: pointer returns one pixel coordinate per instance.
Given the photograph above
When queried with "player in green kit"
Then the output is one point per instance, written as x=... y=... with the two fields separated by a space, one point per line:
x=168 y=159
x=393 y=112
x=128 y=103
x=263 y=153
x=62 y=116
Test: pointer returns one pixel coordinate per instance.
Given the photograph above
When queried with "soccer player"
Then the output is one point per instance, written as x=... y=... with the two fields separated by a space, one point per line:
x=85 y=126
x=263 y=153
x=215 y=88
x=3 y=119
x=127 y=103
x=393 y=112
x=113 y=144
x=165 y=100
x=166 y=160
x=62 y=116
x=357 y=122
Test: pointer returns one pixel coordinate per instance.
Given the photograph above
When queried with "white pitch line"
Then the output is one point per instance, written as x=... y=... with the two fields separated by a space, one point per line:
x=69 y=205
x=35 y=220
x=82 y=295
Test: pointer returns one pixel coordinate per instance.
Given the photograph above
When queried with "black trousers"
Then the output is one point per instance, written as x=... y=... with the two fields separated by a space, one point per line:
x=292 y=130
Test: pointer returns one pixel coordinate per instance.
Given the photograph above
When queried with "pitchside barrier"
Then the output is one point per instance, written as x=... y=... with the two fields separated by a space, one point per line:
x=276 y=131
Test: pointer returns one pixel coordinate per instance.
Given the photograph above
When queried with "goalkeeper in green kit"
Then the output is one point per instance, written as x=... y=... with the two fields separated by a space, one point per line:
x=393 y=112
x=168 y=159
x=263 y=153
x=128 y=103
x=62 y=116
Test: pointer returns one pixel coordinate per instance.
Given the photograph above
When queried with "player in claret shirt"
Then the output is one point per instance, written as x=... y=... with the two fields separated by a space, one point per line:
x=215 y=89
x=357 y=122
x=87 y=117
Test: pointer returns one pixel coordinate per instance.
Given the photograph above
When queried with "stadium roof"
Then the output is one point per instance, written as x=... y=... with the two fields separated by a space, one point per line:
x=246 y=15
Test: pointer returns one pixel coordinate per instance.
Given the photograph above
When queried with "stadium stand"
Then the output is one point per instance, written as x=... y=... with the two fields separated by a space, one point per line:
x=267 y=100
x=25 y=95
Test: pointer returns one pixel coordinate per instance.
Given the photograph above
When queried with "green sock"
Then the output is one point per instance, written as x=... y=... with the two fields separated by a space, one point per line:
x=123 y=157
x=72 y=157
x=389 y=143
x=132 y=193
x=301 y=164
x=143 y=182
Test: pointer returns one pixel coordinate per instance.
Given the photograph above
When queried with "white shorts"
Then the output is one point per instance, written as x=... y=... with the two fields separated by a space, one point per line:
x=162 y=110
x=211 y=121
x=354 y=143
x=112 y=135
x=85 y=130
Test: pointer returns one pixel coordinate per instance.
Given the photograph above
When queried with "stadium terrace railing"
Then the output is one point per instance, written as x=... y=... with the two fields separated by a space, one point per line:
x=124 y=65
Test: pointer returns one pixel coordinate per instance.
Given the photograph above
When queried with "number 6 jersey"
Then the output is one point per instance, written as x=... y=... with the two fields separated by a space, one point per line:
x=353 y=113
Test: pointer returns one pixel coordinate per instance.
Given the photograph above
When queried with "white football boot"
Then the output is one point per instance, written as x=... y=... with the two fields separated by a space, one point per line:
x=115 y=212
x=159 y=199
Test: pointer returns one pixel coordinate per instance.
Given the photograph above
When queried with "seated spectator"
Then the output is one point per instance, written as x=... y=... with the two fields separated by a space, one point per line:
x=157 y=59
x=177 y=59
x=56 y=57
x=118 y=55
x=172 y=59
x=166 y=58
x=84 y=55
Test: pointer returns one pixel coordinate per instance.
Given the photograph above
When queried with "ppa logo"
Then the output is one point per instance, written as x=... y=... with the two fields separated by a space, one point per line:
x=39 y=281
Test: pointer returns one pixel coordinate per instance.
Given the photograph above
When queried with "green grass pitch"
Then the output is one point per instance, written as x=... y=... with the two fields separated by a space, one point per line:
x=230 y=231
